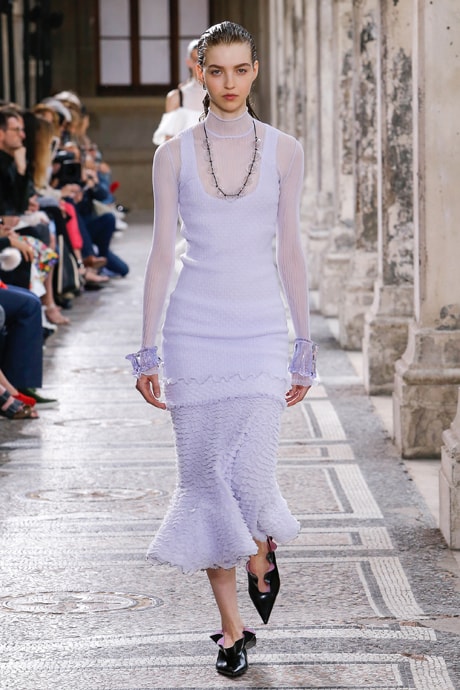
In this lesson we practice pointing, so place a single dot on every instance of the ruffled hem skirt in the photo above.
(227, 493)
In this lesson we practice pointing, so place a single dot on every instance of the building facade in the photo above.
(371, 89)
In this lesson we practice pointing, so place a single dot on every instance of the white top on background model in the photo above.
(184, 105)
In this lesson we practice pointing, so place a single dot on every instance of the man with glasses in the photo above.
(14, 181)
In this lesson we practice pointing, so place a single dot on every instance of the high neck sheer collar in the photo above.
(236, 127)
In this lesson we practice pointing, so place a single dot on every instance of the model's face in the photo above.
(228, 74)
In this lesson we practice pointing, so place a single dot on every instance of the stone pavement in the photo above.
(370, 594)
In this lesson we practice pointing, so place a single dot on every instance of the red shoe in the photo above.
(26, 399)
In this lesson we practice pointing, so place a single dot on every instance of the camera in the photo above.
(69, 171)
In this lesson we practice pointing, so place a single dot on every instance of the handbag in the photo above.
(66, 275)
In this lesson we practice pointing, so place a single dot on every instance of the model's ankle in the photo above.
(232, 634)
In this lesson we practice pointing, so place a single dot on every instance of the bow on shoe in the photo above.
(233, 661)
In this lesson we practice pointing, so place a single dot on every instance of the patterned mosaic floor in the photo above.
(370, 595)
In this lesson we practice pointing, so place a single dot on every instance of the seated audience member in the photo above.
(22, 397)
(39, 139)
(50, 109)
(13, 405)
(100, 228)
(22, 352)
(15, 187)
(88, 263)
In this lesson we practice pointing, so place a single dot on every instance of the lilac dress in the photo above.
(225, 352)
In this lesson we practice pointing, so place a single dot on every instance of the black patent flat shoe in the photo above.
(264, 601)
(233, 661)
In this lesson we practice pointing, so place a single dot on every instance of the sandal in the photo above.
(94, 281)
(15, 409)
(55, 317)
(93, 276)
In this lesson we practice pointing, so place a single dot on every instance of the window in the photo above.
(143, 43)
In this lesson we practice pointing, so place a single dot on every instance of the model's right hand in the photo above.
(149, 388)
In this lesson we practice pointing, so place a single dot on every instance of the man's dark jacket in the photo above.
(14, 188)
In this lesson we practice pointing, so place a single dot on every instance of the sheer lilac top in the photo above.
(225, 330)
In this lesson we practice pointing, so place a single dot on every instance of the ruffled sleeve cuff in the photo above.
(146, 361)
(303, 364)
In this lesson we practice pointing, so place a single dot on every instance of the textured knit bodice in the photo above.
(226, 312)
(225, 330)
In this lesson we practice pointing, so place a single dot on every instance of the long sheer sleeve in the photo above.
(160, 262)
(290, 259)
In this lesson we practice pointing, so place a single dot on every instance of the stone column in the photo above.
(279, 67)
(320, 82)
(288, 87)
(357, 293)
(341, 238)
(311, 110)
(386, 323)
(449, 484)
(290, 16)
(428, 374)
(17, 12)
(263, 93)
(300, 92)
(299, 125)
(285, 66)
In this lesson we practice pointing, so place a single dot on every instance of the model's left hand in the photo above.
(295, 394)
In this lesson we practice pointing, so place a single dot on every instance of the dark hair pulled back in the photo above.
(225, 33)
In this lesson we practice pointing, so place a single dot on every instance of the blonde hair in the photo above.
(44, 133)
(42, 109)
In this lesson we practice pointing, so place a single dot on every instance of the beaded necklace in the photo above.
(250, 171)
